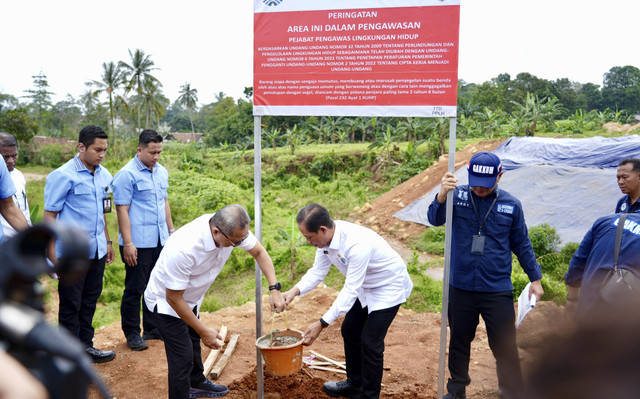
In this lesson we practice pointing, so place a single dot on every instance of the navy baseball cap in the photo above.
(484, 168)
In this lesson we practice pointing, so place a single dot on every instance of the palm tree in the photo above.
(219, 96)
(138, 74)
(153, 102)
(188, 98)
(112, 77)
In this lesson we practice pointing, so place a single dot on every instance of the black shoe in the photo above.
(341, 388)
(208, 389)
(99, 356)
(153, 334)
(135, 343)
(455, 395)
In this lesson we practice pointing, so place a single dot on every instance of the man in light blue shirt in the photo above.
(78, 194)
(144, 218)
(8, 208)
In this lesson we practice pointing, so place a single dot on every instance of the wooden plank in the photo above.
(316, 354)
(315, 363)
(328, 369)
(213, 355)
(231, 346)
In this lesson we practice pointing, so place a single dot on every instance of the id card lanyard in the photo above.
(477, 243)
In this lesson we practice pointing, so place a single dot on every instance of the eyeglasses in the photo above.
(233, 243)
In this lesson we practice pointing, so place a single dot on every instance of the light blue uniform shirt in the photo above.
(77, 196)
(7, 189)
(144, 191)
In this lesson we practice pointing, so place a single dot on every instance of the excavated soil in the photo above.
(411, 353)
(411, 346)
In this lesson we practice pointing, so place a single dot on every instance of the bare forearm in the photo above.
(13, 214)
(167, 212)
(124, 223)
(182, 308)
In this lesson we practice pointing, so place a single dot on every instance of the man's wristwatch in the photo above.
(109, 242)
(276, 286)
(324, 323)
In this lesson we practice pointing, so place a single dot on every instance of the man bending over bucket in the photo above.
(189, 263)
(376, 284)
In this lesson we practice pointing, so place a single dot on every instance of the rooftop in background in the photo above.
(39, 141)
(184, 137)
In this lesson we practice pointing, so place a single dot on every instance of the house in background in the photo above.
(42, 149)
(184, 137)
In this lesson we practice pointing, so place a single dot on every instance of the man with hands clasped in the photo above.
(376, 283)
(144, 219)
(488, 224)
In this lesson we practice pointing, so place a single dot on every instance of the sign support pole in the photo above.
(257, 187)
(447, 260)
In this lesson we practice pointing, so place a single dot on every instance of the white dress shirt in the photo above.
(375, 273)
(20, 198)
(189, 261)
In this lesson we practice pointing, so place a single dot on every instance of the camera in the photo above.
(52, 355)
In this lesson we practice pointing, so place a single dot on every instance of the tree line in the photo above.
(127, 98)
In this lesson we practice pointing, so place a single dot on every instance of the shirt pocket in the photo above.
(502, 226)
(83, 199)
(82, 189)
(144, 190)
(466, 213)
(163, 189)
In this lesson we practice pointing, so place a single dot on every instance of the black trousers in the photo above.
(78, 301)
(184, 357)
(363, 334)
(498, 313)
(135, 282)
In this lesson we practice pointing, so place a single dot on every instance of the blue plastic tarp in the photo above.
(567, 183)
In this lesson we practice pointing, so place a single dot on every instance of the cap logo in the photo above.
(485, 170)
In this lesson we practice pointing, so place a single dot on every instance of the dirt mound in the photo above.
(411, 354)
(411, 346)
(379, 214)
(611, 127)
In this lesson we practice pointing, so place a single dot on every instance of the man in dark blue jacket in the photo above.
(629, 182)
(488, 224)
(594, 259)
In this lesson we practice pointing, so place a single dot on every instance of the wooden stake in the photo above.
(316, 354)
(213, 355)
(328, 369)
(231, 346)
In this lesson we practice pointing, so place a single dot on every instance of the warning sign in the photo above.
(353, 61)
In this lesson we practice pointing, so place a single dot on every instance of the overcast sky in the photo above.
(208, 43)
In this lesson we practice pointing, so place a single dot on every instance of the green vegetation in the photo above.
(544, 240)
(341, 177)
(340, 162)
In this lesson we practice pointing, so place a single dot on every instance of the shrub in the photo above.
(431, 241)
(192, 195)
(544, 239)
(52, 155)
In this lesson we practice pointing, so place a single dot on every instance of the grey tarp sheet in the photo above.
(567, 183)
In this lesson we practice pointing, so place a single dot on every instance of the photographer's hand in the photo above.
(16, 382)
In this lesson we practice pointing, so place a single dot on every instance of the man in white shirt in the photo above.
(376, 283)
(9, 151)
(189, 263)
